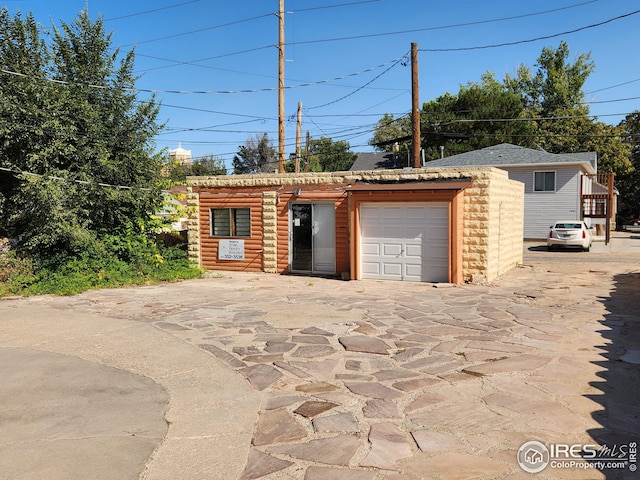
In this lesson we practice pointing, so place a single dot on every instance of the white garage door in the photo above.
(406, 241)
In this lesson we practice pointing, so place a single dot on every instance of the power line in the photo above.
(519, 42)
(362, 87)
(457, 25)
(228, 24)
(193, 62)
(81, 182)
(236, 22)
(150, 11)
(612, 86)
(206, 92)
(335, 6)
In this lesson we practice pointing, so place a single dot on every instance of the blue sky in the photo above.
(344, 58)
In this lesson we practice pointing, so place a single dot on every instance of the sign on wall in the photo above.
(231, 250)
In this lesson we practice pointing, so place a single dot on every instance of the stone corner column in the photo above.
(270, 232)
(193, 228)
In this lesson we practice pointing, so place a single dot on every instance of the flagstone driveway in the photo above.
(383, 380)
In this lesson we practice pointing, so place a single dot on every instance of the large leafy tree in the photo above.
(389, 131)
(476, 117)
(203, 166)
(468, 120)
(257, 155)
(72, 120)
(557, 83)
(629, 182)
(331, 156)
(544, 108)
(554, 98)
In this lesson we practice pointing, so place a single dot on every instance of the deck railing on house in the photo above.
(597, 198)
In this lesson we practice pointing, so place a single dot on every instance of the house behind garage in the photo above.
(557, 186)
(425, 225)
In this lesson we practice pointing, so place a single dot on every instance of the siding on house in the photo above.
(541, 209)
(253, 245)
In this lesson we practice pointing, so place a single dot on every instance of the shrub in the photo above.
(107, 263)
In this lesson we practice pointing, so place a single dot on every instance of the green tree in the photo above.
(178, 172)
(628, 183)
(331, 156)
(543, 109)
(208, 165)
(557, 83)
(554, 99)
(77, 135)
(481, 114)
(389, 130)
(257, 155)
(471, 119)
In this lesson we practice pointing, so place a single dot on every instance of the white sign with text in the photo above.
(231, 250)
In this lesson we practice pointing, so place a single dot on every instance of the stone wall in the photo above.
(493, 225)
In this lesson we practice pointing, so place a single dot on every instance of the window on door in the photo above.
(230, 222)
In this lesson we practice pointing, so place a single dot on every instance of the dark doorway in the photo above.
(302, 258)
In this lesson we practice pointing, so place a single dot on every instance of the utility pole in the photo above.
(415, 109)
(281, 89)
(306, 153)
(298, 128)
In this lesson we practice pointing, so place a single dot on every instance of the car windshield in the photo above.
(568, 225)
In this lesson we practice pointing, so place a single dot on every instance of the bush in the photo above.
(107, 263)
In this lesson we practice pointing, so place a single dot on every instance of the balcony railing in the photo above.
(597, 198)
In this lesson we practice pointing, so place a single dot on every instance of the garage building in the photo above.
(421, 225)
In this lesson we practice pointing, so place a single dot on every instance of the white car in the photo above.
(569, 233)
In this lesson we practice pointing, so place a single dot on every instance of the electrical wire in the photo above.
(367, 35)
(150, 11)
(442, 27)
(81, 182)
(362, 87)
(207, 92)
(536, 39)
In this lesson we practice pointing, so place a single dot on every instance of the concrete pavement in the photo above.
(281, 377)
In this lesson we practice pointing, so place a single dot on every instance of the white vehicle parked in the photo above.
(569, 233)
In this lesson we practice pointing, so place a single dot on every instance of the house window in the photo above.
(544, 181)
(230, 222)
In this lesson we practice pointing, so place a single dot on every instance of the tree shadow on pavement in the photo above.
(619, 387)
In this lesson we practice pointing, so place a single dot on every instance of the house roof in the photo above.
(506, 154)
(376, 161)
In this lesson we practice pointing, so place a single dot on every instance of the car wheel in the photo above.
(587, 248)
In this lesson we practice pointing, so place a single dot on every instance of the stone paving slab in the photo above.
(352, 381)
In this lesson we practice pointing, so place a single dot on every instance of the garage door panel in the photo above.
(392, 249)
(371, 269)
(413, 272)
(414, 251)
(392, 269)
(416, 232)
(390, 232)
(371, 249)
(416, 213)
(412, 241)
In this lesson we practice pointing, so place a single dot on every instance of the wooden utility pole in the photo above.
(306, 153)
(298, 128)
(281, 89)
(415, 108)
